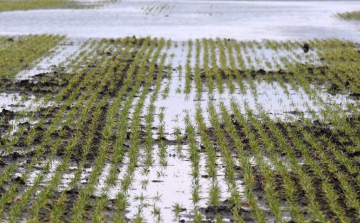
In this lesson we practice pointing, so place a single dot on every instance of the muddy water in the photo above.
(181, 20)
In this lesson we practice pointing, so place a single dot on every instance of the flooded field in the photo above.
(147, 129)
(240, 119)
(183, 20)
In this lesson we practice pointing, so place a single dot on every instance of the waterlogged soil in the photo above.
(209, 212)
(51, 83)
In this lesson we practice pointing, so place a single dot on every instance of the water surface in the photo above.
(181, 20)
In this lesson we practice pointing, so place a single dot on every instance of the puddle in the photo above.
(272, 98)
(163, 187)
(17, 102)
(242, 20)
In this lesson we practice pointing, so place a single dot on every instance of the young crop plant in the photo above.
(177, 208)
(216, 72)
(197, 71)
(195, 159)
(206, 67)
(233, 66)
(188, 69)
(224, 67)
(162, 144)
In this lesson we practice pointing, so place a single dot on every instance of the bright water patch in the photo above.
(182, 20)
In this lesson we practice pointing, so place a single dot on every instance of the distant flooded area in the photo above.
(181, 20)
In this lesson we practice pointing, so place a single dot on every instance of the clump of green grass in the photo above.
(14, 5)
(7, 5)
(355, 15)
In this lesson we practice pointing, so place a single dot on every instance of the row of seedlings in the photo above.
(245, 166)
(197, 71)
(188, 69)
(228, 162)
(111, 179)
(126, 181)
(233, 66)
(215, 72)
(210, 150)
(190, 132)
